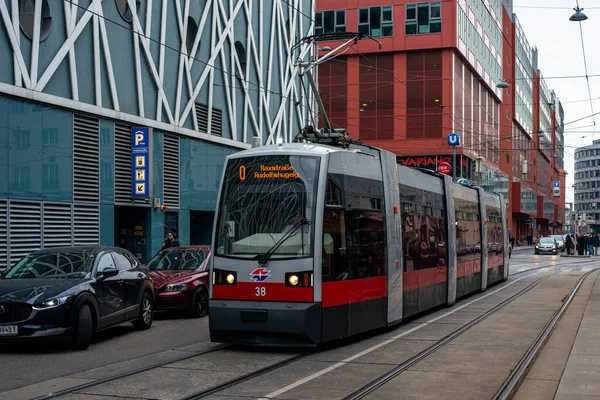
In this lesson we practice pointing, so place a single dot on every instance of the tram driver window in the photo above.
(335, 263)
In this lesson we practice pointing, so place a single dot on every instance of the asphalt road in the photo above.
(171, 336)
(27, 364)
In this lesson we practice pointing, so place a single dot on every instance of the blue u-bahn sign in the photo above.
(140, 162)
(454, 139)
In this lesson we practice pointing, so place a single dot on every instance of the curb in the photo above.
(565, 256)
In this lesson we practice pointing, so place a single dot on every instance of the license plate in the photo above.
(12, 330)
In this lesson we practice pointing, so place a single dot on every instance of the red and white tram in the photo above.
(315, 243)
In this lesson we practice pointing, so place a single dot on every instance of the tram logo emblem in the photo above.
(260, 274)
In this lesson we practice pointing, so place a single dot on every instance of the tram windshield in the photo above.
(267, 206)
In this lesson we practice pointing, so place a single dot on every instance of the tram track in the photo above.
(125, 374)
(518, 373)
(512, 383)
(269, 368)
(375, 384)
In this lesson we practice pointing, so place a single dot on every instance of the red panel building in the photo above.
(438, 72)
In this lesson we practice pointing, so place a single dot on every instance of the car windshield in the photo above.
(558, 238)
(547, 241)
(53, 265)
(267, 206)
(178, 260)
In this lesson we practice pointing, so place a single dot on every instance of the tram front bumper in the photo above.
(265, 323)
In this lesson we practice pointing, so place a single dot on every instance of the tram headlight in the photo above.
(223, 277)
(299, 279)
(293, 280)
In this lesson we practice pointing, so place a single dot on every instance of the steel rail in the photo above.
(512, 383)
(246, 377)
(127, 373)
(388, 376)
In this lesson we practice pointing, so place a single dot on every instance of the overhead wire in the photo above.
(233, 74)
(585, 66)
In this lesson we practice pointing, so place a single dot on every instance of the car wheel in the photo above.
(146, 315)
(83, 329)
(199, 306)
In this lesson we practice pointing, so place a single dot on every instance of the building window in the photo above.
(423, 18)
(376, 21)
(330, 21)
(26, 18)
(125, 11)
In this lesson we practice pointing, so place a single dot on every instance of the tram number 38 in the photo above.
(260, 291)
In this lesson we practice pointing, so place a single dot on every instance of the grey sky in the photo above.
(547, 26)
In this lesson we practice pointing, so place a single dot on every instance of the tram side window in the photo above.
(335, 261)
(495, 235)
(424, 241)
(333, 195)
(468, 233)
(366, 236)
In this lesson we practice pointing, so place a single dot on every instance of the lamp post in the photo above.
(479, 169)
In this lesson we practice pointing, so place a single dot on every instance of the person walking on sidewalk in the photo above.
(597, 243)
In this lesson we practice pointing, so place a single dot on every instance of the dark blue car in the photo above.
(73, 292)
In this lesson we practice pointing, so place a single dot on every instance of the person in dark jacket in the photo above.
(171, 240)
(568, 244)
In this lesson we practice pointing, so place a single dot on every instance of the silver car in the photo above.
(546, 245)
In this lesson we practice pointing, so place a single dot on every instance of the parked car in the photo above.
(180, 276)
(560, 241)
(73, 292)
(546, 245)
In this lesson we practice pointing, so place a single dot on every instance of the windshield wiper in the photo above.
(263, 258)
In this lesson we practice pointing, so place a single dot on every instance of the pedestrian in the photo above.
(590, 243)
(597, 243)
(171, 240)
(568, 244)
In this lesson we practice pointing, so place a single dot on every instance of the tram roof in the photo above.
(296, 148)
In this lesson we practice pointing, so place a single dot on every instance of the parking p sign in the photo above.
(454, 139)
(556, 189)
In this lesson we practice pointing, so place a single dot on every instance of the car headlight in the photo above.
(45, 305)
(537, 246)
(176, 287)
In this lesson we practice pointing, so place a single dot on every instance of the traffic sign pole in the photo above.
(453, 163)
(453, 140)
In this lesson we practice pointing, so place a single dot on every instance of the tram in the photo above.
(315, 242)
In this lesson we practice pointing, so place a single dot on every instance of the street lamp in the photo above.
(503, 84)
(578, 16)
(479, 164)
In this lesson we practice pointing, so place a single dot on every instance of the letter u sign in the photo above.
(453, 139)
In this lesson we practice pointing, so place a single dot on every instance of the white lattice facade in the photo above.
(151, 62)
(77, 75)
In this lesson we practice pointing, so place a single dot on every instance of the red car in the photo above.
(180, 277)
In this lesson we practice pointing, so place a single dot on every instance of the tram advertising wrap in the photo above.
(315, 243)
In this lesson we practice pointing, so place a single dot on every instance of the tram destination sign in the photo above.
(263, 171)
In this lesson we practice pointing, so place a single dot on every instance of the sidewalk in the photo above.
(580, 377)
(522, 248)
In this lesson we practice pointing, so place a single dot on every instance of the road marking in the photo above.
(377, 346)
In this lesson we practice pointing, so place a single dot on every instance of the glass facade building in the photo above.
(70, 97)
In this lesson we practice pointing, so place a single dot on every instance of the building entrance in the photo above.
(131, 231)
(201, 227)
